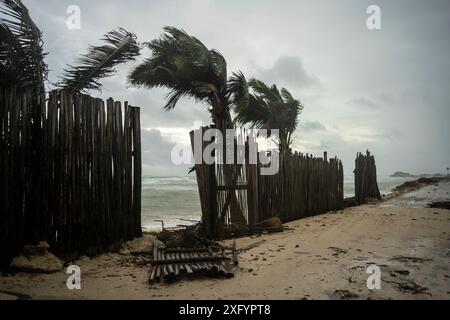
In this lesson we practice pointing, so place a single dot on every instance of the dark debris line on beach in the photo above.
(440, 205)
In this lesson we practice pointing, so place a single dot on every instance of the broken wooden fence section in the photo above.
(366, 185)
(170, 264)
(72, 178)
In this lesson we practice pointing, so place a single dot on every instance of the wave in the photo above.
(169, 183)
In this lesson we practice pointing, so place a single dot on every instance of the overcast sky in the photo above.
(387, 90)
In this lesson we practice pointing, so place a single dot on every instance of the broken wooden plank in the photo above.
(191, 259)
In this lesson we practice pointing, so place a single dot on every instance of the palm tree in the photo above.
(185, 66)
(268, 108)
(22, 56)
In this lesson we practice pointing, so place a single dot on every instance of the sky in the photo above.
(385, 90)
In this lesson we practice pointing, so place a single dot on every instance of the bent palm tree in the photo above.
(268, 108)
(184, 65)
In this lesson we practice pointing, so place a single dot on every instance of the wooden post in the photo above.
(137, 167)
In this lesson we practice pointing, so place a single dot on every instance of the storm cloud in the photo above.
(289, 70)
(385, 90)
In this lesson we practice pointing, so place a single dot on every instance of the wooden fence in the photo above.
(366, 185)
(236, 196)
(228, 192)
(303, 186)
(70, 173)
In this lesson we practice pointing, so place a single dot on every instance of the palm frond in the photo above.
(237, 90)
(255, 113)
(219, 66)
(287, 96)
(172, 99)
(21, 55)
(268, 93)
(100, 61)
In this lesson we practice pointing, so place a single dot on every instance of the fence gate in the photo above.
(228, 187)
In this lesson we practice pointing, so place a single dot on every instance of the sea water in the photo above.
(169, 199)
(174, 198)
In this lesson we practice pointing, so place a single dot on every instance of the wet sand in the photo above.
(322, 257)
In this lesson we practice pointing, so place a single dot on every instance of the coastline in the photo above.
(320, 257)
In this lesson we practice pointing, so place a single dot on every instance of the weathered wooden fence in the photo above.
(366, 185)
(303, 186)
(72, 178)
(237, 195)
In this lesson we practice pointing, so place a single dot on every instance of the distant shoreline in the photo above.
(401, 174)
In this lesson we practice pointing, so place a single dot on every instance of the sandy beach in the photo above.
(321, 257)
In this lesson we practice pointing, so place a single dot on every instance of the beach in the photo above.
(320, 257)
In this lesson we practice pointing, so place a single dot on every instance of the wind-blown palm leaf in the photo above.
(21, 48)
(237, 90)
(121, 46)
(183, 64)
(256, 113)
(268, 108)
(271, 94)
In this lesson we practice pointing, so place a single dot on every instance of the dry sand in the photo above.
(322, 257)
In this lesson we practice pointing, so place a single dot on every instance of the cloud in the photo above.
(155, 149)
(156, 154)
(365, 103)
(289, 70)
(312, 126)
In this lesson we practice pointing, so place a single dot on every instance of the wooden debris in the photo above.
(440, 205)
(172, 263)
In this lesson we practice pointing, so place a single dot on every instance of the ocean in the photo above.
(174, 198)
